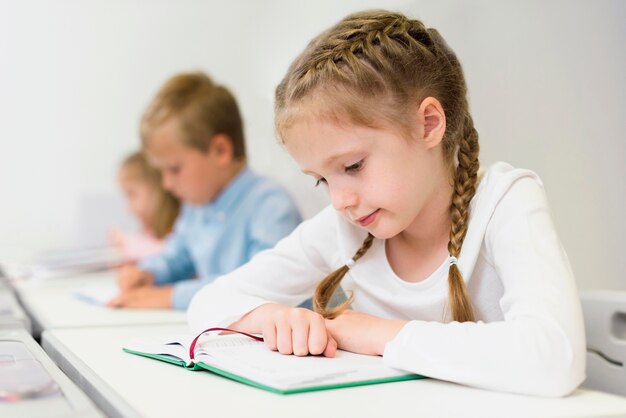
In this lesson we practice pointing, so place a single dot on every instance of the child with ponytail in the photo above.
(452, 271)
(154, 207)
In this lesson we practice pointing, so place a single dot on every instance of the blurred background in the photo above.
(546, 78)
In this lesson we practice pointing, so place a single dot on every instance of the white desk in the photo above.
(125, 385)
(11, 313)
(61, 283)
(69, 402)
(51, 304)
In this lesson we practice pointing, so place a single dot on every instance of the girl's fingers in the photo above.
(269, 335)
(283, 337)
(331, 347)
(318, 336)
(300, 333)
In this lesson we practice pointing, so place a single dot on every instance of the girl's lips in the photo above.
(366, 220)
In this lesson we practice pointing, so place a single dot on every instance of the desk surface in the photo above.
(51, 304)
(27, 286)
(11, 313)
(133, 386)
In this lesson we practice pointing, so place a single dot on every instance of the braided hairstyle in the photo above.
(371, 69)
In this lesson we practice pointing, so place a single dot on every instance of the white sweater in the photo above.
(529, 335)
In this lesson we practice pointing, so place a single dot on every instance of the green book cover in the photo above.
(250, 362)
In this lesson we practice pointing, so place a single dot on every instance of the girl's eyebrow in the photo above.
(328, 161)
(333, 158)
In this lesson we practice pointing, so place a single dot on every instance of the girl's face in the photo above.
(378, 179)
(141, 198)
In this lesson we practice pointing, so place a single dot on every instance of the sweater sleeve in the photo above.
(287, 273)
(174, 263)
(539, 347)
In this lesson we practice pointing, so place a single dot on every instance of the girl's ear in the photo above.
(432, 120)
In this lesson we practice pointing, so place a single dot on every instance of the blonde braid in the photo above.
(365, 52)
(466, 178)
(326, 288)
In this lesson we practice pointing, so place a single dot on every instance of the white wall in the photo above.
(546, 80)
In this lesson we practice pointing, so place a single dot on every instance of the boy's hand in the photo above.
(130, 277)
(362, 333)
(144, 297)
(289, 330)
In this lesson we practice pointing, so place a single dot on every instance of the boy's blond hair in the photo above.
(202, 108)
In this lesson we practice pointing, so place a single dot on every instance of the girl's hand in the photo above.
(289, 330)
(116, 237)
(362, 333)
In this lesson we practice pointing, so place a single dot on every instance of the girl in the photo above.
(155, 208)
(453, 274)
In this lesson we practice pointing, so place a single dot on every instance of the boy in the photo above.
(193, 134)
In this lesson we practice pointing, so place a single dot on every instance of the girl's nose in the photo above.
(342, 198)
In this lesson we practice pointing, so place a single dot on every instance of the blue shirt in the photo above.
(251, 214)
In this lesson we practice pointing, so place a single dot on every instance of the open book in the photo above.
(249, 361)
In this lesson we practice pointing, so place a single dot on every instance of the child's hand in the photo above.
(116, 237)
(144, 297)
(290, 330)
(362, 333)
(130, 277)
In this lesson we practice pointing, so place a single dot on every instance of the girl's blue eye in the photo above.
(320, 181)
(354, 167)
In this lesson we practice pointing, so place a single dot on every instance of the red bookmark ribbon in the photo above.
(195, 340)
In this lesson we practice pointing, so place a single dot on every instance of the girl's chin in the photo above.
(382, 233)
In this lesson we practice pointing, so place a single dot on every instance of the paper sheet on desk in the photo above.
(97, 294)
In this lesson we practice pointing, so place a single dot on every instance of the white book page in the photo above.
(176, 346)
(251, 359)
